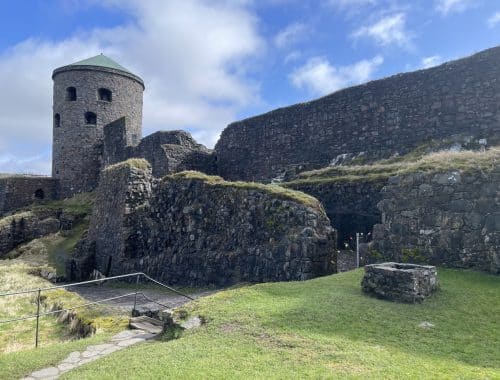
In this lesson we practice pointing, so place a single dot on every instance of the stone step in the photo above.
(151, 325)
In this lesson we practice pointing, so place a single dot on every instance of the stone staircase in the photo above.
(148, 324)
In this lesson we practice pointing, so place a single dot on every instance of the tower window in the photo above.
(57, 120)
(105, 94)
(90, 118)
(71, 94)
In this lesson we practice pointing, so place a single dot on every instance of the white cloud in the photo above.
(494, 20)
(449, 6)
(390, 30)
(292, 56)
(343, 4)
(290, 35)
(320, 77)
(193, 56)
(431, 61)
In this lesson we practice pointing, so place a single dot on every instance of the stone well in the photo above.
(400, 282)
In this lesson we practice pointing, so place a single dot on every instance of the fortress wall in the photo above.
(380, 118)
(21, 191)
(199, 230)
(350, 206)
(449, 218)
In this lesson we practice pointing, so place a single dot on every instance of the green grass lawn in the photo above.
(326, 328)
(15, 365)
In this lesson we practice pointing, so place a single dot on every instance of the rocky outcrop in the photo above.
(23, 227)
(40, 220)
(194, 229)
(449, 218)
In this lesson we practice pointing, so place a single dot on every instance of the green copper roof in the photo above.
(102, 61)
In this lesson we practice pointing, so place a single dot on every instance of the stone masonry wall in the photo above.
(380, 118)
(449, 218)
(351, 206)
(201, 230)
(78, 147)
(167, 151)
(21, 191)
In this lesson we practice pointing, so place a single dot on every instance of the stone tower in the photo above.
(88, 95)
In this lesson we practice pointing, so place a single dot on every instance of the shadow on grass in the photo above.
(464, 313)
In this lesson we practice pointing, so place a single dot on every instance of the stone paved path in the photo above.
(75, 359)
(125, 338)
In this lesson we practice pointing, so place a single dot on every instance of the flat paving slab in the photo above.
(76, 359)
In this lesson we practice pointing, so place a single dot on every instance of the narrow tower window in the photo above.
(90, 118)
(105, 94)
(71, 94)
(57, 120)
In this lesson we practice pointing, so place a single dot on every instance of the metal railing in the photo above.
(101, 280)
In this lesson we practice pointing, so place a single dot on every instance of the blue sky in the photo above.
(208, 63)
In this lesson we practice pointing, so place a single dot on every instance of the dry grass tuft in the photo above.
(275, 190)
(433, 162)
(138, 163)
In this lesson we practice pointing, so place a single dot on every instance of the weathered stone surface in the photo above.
(18, 191)
(351, 206)
(379, 119)
(23, 227)
(400, 282)
(167, 151)
(77, 146)
(201, 231)
(455, 222)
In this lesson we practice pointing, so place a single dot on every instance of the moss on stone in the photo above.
(15, 218)
(276, 190)
(80, 204)
(380, 170)
(137, 163)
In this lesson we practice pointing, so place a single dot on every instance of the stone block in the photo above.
(398, 282)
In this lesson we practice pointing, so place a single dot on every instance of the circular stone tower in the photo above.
(88, 95)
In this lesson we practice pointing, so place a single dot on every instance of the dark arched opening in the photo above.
(71, 94)
(57, 120)
(39, 194)
(105, 95)
(90, 118)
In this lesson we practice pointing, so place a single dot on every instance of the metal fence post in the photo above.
(135, 296)
(37, 316)
(357, 249)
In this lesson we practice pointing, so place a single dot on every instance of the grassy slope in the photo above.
(381, 170)
(15, 365)
(326, 328)
(19, 335)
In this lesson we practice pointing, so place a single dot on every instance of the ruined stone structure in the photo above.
(193, 229)
(87, 96)
(351, 206)
(17, 191)
(447, 218)
(374, 120)
(167, 151)
(400, 282)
